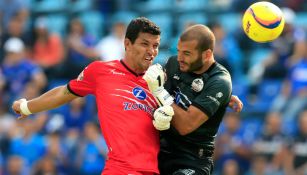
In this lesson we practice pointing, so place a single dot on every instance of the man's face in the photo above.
(143, 50)
(189, 58)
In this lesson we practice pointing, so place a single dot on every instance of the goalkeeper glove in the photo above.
(162, 117)
(155, 78)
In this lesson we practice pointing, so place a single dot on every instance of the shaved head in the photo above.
(202, 34)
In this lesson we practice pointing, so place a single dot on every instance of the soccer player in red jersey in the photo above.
(125, 105)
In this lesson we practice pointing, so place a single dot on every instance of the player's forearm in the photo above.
(187, 121)
(179, 121)
(51, 99)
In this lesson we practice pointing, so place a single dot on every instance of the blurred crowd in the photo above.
(45, 43)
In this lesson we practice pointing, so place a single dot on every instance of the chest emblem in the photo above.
(219, 95)
(197, 85)
(139, 93)
(176, 77)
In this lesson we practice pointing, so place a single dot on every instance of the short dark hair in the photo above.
(202, 34)
(139, 25)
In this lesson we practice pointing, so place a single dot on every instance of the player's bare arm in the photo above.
(187, 121)
(49, 100)
(235, 103)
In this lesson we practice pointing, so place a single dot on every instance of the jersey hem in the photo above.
(202, 109)
(71, 91)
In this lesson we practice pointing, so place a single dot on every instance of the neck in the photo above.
(132, 65)
(205, 67)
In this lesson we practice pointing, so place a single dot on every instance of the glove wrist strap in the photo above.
(163, 97)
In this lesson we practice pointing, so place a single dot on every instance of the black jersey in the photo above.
(299, 149)
(211, 93)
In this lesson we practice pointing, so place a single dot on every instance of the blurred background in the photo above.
(45, 43)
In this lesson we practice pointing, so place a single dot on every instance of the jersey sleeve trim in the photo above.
(202, 109)
(71, 91)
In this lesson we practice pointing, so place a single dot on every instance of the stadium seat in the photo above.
(58, 24)
(93, 22)
(258, 55)
(191, 5)
(162, 57)
(80, 5)
(231, 22)
(153, 6)
(45, 6)
(184, 19)
(124, 16)
(252, 127)
(267, 91)
(164, 20)
(241, 90)
(301, 20)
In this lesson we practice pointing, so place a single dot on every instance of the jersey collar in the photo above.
(211, 67)
(130, 70)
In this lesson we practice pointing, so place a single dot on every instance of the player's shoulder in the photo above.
(219, 74)
(218, 70)
(172, 60)
(172, 64)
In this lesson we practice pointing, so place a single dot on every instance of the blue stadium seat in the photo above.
(183, 19)
(231, 22)
(258, 55)
(153, 6)
(269, 89)
(191, 5)
(48, 5)
(241, 90)
(301, 20)
(58, 24)
(252, 127)
(80, 5)
(164, 20)
(124, 16)
(93, 22)
(267, 92)
(162, 57)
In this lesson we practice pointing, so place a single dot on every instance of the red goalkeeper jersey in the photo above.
(125, 109)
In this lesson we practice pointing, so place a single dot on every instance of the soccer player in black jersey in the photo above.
(197, 91)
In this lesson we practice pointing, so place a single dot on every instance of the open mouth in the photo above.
(149, 58)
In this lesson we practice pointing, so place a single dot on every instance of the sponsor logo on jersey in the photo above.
(139, 93)
(214, 99)
(138, 106)
(185, 171)
(113, 71)
(197, 85)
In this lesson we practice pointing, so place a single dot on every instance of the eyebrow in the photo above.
(185, 51)
(144, 40)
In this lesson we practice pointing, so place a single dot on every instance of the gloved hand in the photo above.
(162, 117)
(155, 78)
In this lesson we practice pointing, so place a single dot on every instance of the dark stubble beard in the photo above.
(196, 65)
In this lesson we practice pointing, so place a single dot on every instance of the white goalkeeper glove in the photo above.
(162, 117)
(155, 78)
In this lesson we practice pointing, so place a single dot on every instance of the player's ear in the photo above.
(127, 43)
(206, 54)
